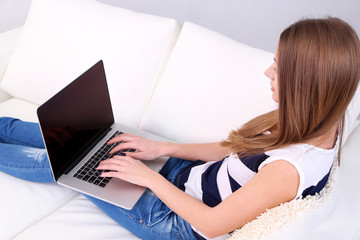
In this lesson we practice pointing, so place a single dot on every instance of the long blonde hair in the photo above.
(318, 73)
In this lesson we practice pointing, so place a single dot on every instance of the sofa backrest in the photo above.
(63, 38)
(211, 85)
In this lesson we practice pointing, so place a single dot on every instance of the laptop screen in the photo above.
(72, 119)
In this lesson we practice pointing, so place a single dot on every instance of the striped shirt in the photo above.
(212, 182)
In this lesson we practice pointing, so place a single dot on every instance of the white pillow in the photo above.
(211, 85)
(63, 38)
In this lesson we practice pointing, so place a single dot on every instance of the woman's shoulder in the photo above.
(312, 163)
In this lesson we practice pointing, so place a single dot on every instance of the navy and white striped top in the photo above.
(212, 182)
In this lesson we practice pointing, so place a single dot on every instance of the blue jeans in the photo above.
(23, 155)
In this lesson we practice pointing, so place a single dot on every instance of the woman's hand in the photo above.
(146, 149)
(128, 169)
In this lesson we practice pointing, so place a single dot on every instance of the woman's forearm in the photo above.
(149, 150)
(204, 151)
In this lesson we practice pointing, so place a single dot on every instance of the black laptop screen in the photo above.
(76, 116)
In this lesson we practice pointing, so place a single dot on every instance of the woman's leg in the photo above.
(150, 218)
(22, 151)
(15, 131)
(27, 163)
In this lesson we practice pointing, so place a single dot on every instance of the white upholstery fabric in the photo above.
(79, 219)
(25, 203)
(8, 42)
(18, 108)
(210, 87)
(62, 39)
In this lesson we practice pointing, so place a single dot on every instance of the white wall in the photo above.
(13, 13)
(254, 22)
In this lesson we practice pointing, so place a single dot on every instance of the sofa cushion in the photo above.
(78, 219)
(18, 108)
(63, 38)
(211, 85)
(25, 203)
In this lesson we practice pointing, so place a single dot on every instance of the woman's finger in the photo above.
(125, 145)
(112, 162)
(125, 137)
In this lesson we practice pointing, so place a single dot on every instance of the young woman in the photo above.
(272, 159)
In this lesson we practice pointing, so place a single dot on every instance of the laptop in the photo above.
(76, 125)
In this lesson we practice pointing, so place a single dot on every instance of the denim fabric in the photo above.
(23, 155)
(22, 151)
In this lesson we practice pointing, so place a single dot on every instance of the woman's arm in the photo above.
(202, 151)
(149, 150)
(272, 185)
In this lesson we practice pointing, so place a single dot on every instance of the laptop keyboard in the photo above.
(88, 172)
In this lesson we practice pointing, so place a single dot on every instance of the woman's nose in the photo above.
(269, 73)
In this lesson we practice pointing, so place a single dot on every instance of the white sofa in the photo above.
(186, 83)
